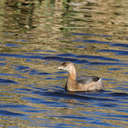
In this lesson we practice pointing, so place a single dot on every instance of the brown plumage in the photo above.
(88, 83)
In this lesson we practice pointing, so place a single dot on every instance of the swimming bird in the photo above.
(88, 83)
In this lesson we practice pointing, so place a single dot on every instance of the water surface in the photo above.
(36, 37)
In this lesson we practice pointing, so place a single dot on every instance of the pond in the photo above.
(36, 37)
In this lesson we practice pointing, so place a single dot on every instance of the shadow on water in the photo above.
(82, 96)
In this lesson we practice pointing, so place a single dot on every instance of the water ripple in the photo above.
(7, 81)
(8, 113)
(92, 41)
(117, 52)
(97, 57)
(89, 34)
(119, 45)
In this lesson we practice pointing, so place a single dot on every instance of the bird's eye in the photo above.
(64, 64)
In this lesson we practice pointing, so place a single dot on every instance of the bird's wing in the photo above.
(87, 79)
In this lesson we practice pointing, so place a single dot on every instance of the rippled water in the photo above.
(36, 36)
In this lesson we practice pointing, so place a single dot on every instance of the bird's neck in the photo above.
(71, 82)
(72, 74)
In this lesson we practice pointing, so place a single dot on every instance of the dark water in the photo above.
(36, 36)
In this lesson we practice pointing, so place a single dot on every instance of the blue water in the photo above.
(36, 98)
(35, 38)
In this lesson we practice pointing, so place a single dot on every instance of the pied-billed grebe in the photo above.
(88, 83)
